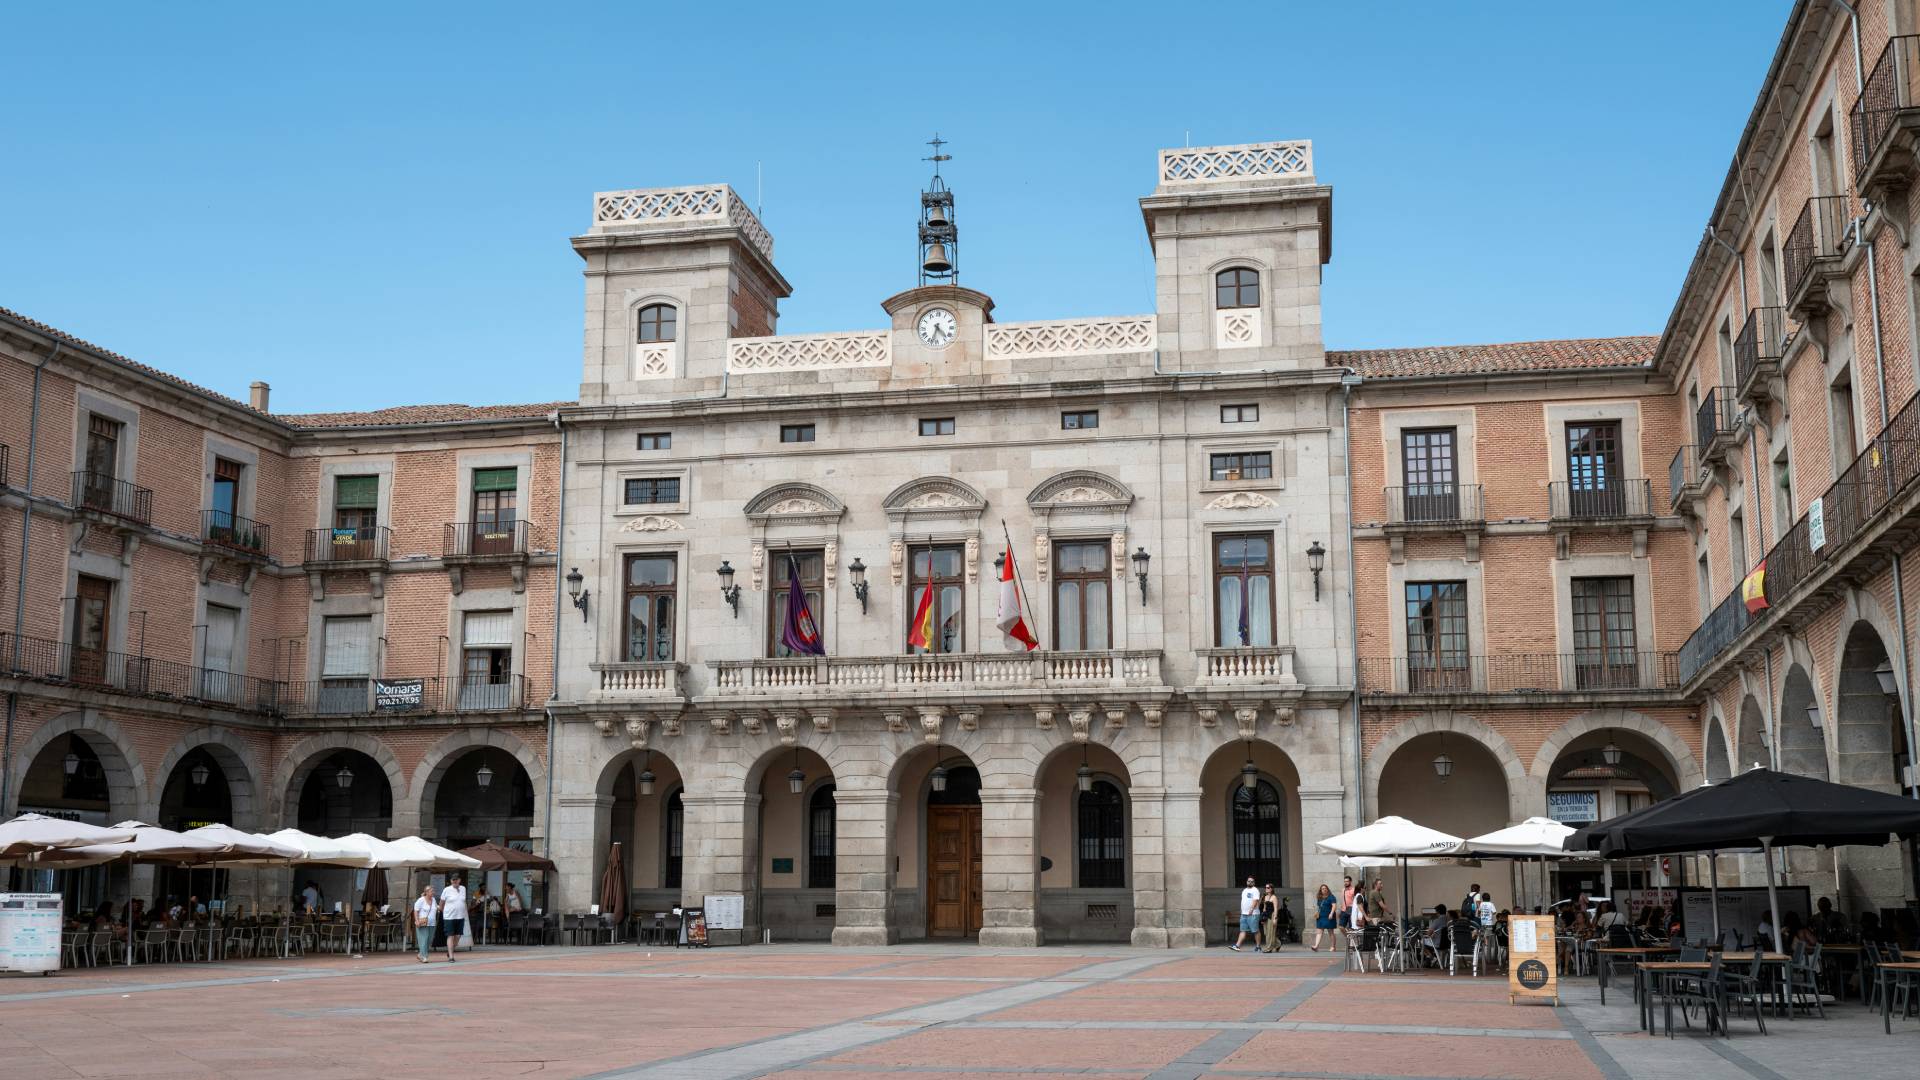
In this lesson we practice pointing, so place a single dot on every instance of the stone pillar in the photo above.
(1009, 868)
(1322, 814)
(1148, 806)
(581, 829)
(863, 867)
(1185, 911)
(722, 846)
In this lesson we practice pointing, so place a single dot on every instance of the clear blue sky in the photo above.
(370, 205)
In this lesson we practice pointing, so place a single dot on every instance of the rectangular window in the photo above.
(494, 514)
(103, 446)
(1595, 486)
(1239, 414)
(1605, 646)
(356, 518)
(92, 628)
(346, 664)
(938, 425)
(812, 566)
(1082, 595)
(1438, 648)
(796, 433)
(218, 661)
(226, 492)
(1737, 544)
(1243, 589)
(942, 568)
(643, 490)
(1783, 509)
(1080, 420)
(1252, 465)
(486, 660)
(656, 440)
(652, 588)
(1428, 465)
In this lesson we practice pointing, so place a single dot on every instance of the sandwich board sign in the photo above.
(1532, 963)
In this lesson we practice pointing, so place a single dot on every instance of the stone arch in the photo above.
(236, 760)
(128, 792)
(1080, 488)
(1679, 758)
(433, 768)
(1752, 734)
(1713, 748)
(1803, 747)
(300, 759)
(1466, 727)
(1862, 607)
(1865, 717)
(934, 493)
(794, 499)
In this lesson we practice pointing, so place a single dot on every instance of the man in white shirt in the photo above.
(1249, 915)
(453, 913)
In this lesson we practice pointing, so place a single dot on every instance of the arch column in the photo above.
(1322, 814)
(582, 825)
(1009, 868)
(863, 867)
(1182, 876)
(722, 843)
(1148, 818)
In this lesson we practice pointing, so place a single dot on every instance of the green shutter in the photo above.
(356, 492)
(495, 479)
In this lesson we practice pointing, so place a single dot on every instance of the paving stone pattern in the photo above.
(820, 1013)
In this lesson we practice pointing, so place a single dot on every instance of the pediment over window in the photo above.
(1080, 489)
(934, 495)
(796, 503)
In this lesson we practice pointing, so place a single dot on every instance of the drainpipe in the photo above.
(20, 585)
(1348, 380)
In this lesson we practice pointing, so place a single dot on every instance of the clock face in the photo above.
(938, 326)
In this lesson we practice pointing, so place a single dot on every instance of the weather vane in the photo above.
(937, 142)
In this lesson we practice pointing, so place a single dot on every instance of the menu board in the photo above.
(30, 932)
(1532, 963)
(727, 911)
(1741, 911)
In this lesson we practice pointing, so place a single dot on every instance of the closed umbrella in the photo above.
(613, 887)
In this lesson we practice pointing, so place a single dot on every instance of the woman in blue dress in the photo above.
(1323, 923)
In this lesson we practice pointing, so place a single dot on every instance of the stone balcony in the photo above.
(934, 677)
(641, 682)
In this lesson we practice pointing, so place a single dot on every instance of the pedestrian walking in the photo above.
(425, 913)
(1269, 921)
(1323, 919)
(1249, 916)
(453, 913)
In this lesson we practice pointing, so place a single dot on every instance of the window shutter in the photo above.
(221, 625)
(488, 630)
(347, 648)
(495, 479)
(356, 492)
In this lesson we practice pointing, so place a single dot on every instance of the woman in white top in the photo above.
(425, 910)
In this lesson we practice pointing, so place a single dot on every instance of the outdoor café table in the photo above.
(1644, 986)
(1889, 972)
(1848, 958)
(1646, 952)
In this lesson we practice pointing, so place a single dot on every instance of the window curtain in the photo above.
(348, 653)
(356, 492)
(495, 479)
(488, 630)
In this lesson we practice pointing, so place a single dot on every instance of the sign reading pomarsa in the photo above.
(398, 695)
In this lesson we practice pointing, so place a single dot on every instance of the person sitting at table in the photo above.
(1377, 909)
(1794, 932)
(1830, 925)
(1763, 937)
(1653, 924)
(1436, 936)
(137, 913)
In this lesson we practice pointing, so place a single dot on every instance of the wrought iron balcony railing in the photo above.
(46, 660)
(1683, 476)
(1715, 423)
(1818, 241)
(230, 531)
(1758, 349)
(367, 543)
(101, 492)
(1599, 500)
(484, 539)
(1891, 91)
(1434, 504)
(1585, 671)
(6, 476)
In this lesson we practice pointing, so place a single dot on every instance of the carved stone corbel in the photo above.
(1248, 717)
(456, 580)
(129, 544)
(1208, 714)
(519, 571)
(603, 725)
(377, 584)
(969, 717)
(832, 559)
(1043, 717)
(1116, 714)
(1080, 718)
(757, 561)
(721, 723)
(789, 727)
(1283, 716)
(931, 717)
(246, 579)
(973, 558)
(1042, 554)
(1153, 715)
(1120, 557)
(823, 721)
(316, 585)
(76, 535)
(896, 722)
(638, 730)
(206, 568)
(671, 727)
(753, 723)
(897, 557)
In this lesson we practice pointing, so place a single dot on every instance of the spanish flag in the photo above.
(1753, 589)
(920, 630)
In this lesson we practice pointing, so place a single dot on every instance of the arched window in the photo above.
(656, 323)
(1103, 837)
(1236, 288)
(675, 842)
(820, 838)
(1256, 825)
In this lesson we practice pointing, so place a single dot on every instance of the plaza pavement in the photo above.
(927, 1012)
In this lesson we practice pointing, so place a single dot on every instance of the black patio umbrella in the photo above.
(1761, 809)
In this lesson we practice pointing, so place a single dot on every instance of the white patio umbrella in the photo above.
(1397, 839)
(319, 849)
(441, 858)
(146, 844)
(1536, 838)
(30, 834)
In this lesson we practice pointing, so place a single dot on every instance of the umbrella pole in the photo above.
(1405, 913)
(1713, 862)
(1773, 896)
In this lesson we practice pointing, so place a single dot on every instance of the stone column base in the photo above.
(1011, 937)
(1190, 938)
(865, 935)
(1149, 937)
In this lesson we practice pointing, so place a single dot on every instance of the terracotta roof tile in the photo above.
(421, 414)
(1565, 355)
(61, 335)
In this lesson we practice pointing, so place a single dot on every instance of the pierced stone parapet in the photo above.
(1290, 160)
(698, 204)
(810, 352)
(1071, 337)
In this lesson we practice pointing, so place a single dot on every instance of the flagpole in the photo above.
(1026, 603)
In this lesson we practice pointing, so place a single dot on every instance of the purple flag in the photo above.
(801, 635)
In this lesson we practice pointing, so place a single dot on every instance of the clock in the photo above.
(937, 327)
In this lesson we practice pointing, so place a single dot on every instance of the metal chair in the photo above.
(1461, 945)
(1688, 989)
(1738, 989)
(1803, 980)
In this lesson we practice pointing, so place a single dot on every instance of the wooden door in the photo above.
(953, 871)
(92, 612)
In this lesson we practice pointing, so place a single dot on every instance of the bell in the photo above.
(937, 219)
(936, 262)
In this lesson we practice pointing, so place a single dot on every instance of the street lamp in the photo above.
(1813, 716)
(1610, 754)
(1316, 562)
(580, 595)
(857, 573)
(1443, 766)
(200, 774)
(937, 779)
(1083, 776)
(483, 776)
(728, 590)
(72, 763)
(796, 780)
(344, 778)
(1140, 559)
(646, 775)
(1885, 674)
(1249, 776)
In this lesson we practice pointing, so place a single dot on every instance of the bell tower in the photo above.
(939, 237)
(939, 328)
